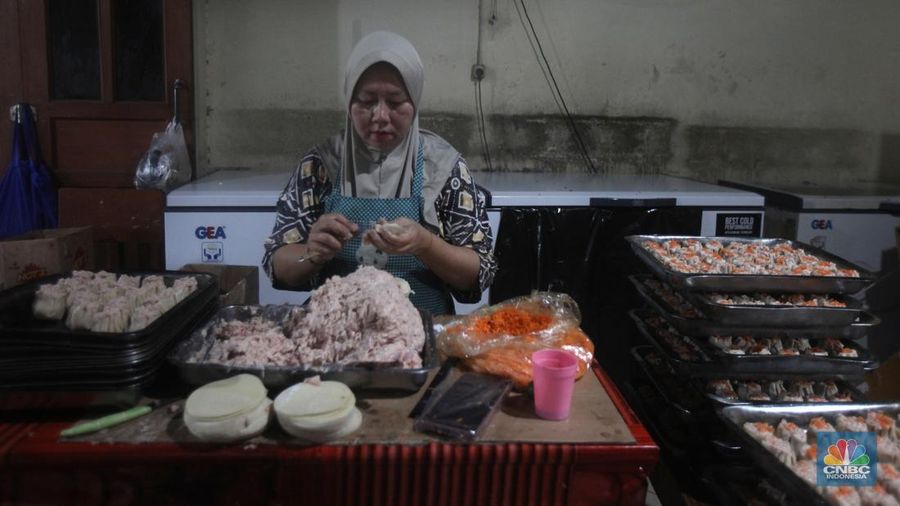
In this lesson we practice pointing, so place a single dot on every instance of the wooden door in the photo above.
(101, 74)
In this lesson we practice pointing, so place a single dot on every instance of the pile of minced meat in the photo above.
(363, 317)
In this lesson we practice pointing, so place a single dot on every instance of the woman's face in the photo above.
(381, 109)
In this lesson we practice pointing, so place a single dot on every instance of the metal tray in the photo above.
(735, 416)
(705, 327)
(700, 384)
(714, 364)
(777, 316)
(366, 376)
(753, 282)
(740, 485)
(17, 324)
(681, 396)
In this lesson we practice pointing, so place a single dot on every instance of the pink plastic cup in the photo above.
(554, 380)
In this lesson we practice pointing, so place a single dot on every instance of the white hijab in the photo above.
(380, 180)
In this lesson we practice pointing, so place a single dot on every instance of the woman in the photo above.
(383, 168)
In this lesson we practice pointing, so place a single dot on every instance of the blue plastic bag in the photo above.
(27, 192)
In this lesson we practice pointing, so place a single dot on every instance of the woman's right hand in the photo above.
(328, 235)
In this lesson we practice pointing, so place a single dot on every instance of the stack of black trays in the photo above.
(46, 355)
(707, 354)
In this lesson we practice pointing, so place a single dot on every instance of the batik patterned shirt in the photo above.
(460, 208)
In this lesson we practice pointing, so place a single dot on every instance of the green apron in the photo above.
(429, 292)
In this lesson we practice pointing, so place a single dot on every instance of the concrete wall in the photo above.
(771, 89)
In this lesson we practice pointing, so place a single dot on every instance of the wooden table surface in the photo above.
(601, 455)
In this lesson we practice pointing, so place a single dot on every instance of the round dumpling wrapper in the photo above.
(233, 428)
(225, 398)
(307, 399)
(349, 425)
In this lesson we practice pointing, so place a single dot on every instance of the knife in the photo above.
(109, 420)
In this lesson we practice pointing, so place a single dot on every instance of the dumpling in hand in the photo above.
(50, 302)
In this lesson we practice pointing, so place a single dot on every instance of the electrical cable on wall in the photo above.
(485, 150)
(477, 77)
(551, 81)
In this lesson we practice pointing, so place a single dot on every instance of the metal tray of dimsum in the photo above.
(857, 329)
(805, 493)
(364, 376)
(809, 391)
(18, 325)
(780, 316)
(703, 360)
(696, 281)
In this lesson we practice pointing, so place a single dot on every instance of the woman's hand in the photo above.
(328, 235)
(400, 237)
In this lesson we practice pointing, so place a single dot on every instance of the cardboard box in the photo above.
(238, 284)
(42, 253)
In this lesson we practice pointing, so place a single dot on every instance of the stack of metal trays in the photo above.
(735, 305)
(192, 358)
(753, 338)
(40, 354)
(757, 357)
(792, 458)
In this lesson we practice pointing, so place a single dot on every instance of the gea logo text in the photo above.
(210, 232)
(821, 225)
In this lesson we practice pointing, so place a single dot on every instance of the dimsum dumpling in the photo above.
(126, 281)
(166, 299)
(184, 287)
(81, 314)
(156, 282)
(50, 302)
(143, 316)
(112, 318)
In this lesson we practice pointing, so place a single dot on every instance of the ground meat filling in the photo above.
(363, 317)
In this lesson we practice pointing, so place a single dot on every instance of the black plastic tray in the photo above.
(777, 316)
(714, 364)
(753, 282)
(735, 416)
(17, 322)
(366, 376)
(106, 371)
(706, 327)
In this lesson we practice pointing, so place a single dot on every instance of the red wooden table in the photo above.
(36, 468)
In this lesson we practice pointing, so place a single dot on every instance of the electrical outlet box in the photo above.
(477, 72)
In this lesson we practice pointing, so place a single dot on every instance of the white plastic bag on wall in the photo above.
(166, 165)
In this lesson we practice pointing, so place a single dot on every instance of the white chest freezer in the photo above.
(857, 222)
(225, 217)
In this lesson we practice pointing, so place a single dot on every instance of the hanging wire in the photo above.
(479, 105)
(538, 50)
(485, 149)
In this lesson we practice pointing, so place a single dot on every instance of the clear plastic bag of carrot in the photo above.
(500, 339)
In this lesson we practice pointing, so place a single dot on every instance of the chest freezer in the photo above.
(225, 217)
(857, 221)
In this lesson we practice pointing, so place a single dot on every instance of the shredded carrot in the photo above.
(512, 321)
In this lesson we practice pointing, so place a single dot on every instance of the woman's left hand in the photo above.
(400, 237)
